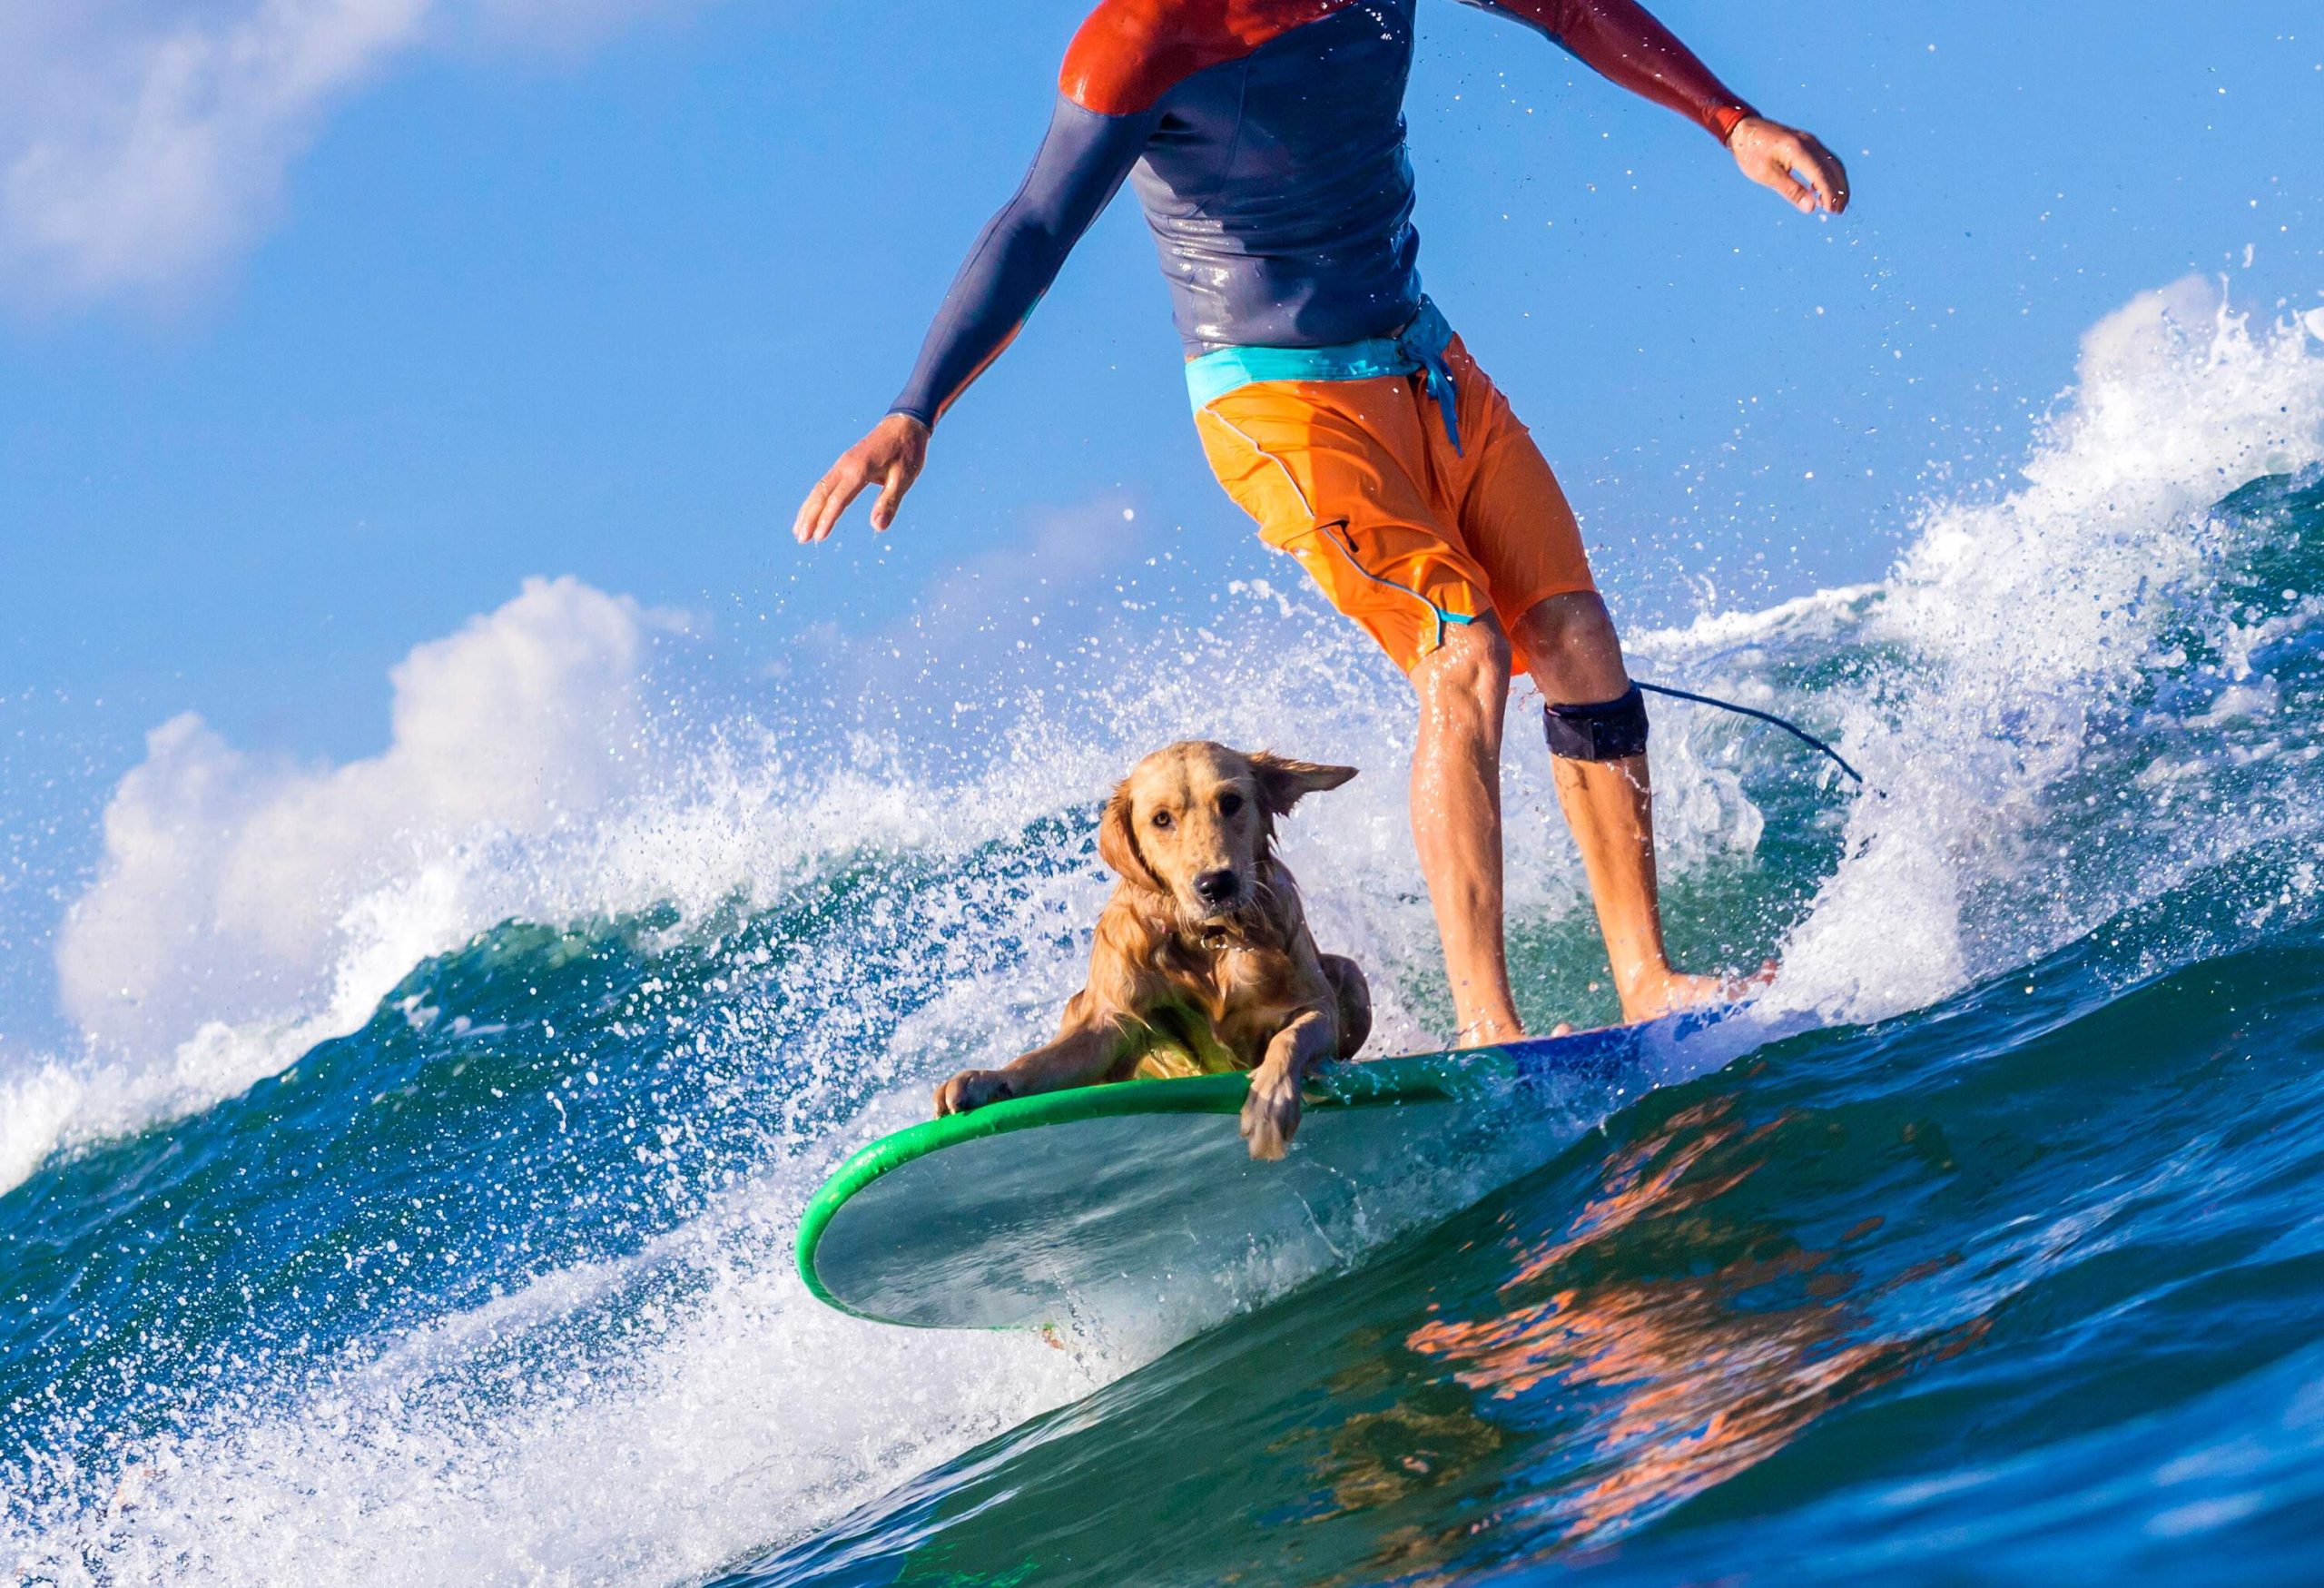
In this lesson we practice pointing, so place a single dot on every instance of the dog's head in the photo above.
(1194, 821)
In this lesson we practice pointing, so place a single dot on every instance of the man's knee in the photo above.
(1573, 649)
(1563, 625)
(1471, 667)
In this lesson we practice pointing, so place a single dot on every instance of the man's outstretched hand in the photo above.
(890, 457)
(1776, 156)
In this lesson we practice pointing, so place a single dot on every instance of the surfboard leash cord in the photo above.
(1785, 724)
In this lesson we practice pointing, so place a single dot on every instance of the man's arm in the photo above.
(1622, 41)
(1079, 168)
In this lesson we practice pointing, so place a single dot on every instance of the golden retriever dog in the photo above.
(1203, 960)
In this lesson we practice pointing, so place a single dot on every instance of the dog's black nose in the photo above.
(1217, 887)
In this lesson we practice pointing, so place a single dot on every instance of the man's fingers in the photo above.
(891, 497)
(823, 504)
(1822, 173)
(1832, 177)
(890, 458)
(845, 490)
(1809, 176)
(1795, 193)
(810, 510)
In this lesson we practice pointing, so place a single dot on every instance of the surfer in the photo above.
(1265, 141)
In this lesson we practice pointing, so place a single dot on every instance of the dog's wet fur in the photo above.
(1203, 958)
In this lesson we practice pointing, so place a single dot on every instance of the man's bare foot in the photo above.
(1656, 996)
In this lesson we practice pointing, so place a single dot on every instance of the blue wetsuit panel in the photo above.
(1075, 175)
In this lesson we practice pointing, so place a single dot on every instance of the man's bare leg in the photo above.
(1577, 659)
(1463, 690)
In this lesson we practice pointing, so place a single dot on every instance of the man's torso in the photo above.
(1275, 178)
(1266, 139)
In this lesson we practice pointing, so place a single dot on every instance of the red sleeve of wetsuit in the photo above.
(1621, 41)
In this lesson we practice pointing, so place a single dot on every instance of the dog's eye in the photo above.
(1229, 802)
(1162, 820)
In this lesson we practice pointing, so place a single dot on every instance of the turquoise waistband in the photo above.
(1418, 349)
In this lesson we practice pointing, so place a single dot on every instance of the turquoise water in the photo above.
(2028, 1284)
(475, 1268)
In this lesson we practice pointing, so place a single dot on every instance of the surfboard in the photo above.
(1079, 1209)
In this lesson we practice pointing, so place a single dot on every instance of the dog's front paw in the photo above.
(1271, 1113)
(972, 1090)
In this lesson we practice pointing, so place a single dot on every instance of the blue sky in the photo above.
(408, 300)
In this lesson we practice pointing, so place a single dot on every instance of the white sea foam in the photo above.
(734, 1417)
(245, 909)
(2023, 618)
(743, 1412)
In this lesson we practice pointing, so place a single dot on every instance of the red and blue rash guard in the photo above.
(1266, 139)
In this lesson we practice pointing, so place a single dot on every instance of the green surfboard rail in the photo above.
(1121, 1206)
(1415, 1078)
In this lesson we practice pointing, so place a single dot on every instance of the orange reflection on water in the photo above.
(1684, 1379)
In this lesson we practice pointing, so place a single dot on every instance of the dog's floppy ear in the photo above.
(1118, 845)
(1283, 781)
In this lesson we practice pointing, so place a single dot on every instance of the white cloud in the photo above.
(228, 880)
(141, 142)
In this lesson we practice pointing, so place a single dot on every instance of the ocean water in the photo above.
(419, 1208)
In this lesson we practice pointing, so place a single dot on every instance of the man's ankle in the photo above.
(1489, 1030)
(1643, 982)
(1651, 997)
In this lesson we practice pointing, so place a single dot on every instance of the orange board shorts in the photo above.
(1359, 481)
